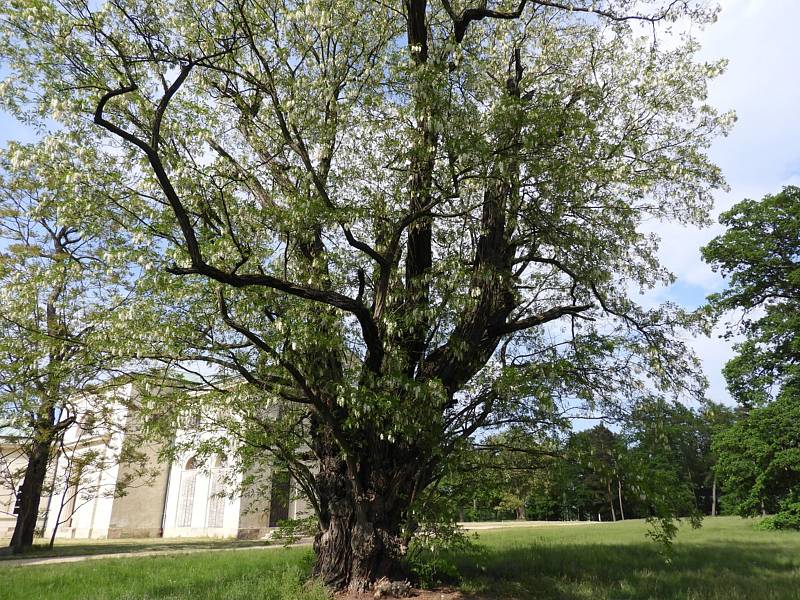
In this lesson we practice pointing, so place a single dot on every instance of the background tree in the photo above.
(56, 293)
(759, 256)
(497, 476)
(665, 459)
(759, 461)
(408, 223)
(596, 454)
(712, 419)
(519, 459)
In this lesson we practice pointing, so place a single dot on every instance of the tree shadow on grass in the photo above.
(632, 572)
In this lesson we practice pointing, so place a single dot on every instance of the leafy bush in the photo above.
(432, 553)
(787, 518)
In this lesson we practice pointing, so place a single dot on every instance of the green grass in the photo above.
(258, 574)
(727, 559)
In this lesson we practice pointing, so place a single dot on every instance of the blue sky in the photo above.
(761, 155)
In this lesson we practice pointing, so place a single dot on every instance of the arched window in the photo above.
(186, 493)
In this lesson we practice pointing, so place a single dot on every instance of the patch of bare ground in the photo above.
(417, 594)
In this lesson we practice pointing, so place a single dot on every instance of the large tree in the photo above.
(403, 223)
(759, 461)
(759, 256)
(56, 295)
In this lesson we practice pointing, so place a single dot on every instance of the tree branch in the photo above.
(462, 20)
(544, 317)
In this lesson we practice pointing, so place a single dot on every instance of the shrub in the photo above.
(788, 517)
(432, 553)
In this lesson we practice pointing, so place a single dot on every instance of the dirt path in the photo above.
(416, 595)
(481, 525)
(477, 526)
(52, 560)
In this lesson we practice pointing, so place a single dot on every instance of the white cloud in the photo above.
(760, 156)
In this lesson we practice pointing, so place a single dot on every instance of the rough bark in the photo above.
(359, 540)
(357, 548)
(30, 496)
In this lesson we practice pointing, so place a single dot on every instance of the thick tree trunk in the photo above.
(359, 541)
(714, 497)
(30, 496)
(353, 552)
(521, 513)
(362, 501)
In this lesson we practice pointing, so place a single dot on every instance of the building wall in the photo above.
(245, 517)
(91, 512)
(13, 463)
(254, 511)
(140, 511)
(89, 515)
(151, 506)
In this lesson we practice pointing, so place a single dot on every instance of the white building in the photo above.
(13, 461)
(183, 499)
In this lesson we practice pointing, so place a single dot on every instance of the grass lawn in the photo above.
(726, 559)
(259, 574)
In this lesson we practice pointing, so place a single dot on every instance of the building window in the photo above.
(279, 498)
(186, 494)
(216, 499)
(70, 501)
(191, 421)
